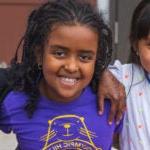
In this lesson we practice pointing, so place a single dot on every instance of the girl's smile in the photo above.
(68, 61)
(68, 82)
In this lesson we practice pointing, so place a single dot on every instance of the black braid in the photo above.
(26, 75)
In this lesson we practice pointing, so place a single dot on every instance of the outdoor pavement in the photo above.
(7, 141)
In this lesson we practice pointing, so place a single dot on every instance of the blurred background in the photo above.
(13, 14)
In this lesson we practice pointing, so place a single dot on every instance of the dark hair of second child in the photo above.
(140, 28)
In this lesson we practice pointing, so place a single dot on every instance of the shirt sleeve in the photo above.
(117, 70)
(4, 119)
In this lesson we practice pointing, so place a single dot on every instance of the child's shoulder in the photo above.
(14, 99)
(129, 67)
(133, 73)
(130, 73)
(15, 94)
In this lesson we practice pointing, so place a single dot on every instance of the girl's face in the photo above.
(144, 52)
(68, 61)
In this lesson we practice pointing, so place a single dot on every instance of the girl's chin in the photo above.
(68, 97)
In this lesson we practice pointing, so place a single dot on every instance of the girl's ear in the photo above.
(135, 46)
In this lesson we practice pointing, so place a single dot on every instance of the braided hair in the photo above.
(26, 75)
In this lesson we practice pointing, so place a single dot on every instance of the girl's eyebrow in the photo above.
(67, 49)
(58, 47)
(87, 52)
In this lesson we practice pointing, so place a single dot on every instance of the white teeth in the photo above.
(68, 81)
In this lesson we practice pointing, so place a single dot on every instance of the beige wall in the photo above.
(13, 14)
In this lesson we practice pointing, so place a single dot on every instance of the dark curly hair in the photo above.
(140, 28)
(26, 74)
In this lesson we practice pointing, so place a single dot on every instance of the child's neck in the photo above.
(47, 92)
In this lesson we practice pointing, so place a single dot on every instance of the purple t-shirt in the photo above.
(58, 126)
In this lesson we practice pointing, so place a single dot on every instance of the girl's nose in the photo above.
(71, 65)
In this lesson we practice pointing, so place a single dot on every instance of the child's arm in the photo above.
(5, 123)
(112, 89)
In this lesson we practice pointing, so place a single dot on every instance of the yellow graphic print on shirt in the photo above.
(68, 132)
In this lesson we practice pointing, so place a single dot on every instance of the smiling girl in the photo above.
(53, 104)
(135, 76)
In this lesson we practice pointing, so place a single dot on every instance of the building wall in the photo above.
(121, 10)
(13, 14)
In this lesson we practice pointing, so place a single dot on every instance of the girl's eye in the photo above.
(86, 57)
(59, 53)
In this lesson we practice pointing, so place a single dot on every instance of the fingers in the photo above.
(119, 114)
(112, 89)
(118, 104)
(121, 110)
(101, 104)
(112, 113)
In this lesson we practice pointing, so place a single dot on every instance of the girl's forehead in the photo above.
(70, 25)
(76, 30)
(73, 37)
